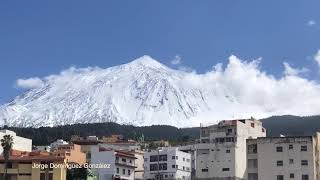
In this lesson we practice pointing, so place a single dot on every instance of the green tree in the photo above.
(6, 144)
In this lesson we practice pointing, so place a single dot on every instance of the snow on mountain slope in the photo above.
(145, 92)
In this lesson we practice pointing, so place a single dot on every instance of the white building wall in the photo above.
(177, 168)
(118, 168)
(223, 157)
(268, 157)
(19, 143)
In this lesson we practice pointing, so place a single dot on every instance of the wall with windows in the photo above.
(168, 163)
(286, 158)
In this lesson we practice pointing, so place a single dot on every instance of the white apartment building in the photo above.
(133, 149)
(57, 143)
(167, 163)
(19, 143)
(222, 153)
(122, 164)
(281, 158)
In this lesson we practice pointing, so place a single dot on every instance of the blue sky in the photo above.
(39, 38)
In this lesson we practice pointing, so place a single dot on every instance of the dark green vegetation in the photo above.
(45, 135)
(286, 125)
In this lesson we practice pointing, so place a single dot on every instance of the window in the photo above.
(145, 159)
(280, 177)
(252, 149)
(163, 166)
(279, 163)
(163, 157)
(290, 146)
(229, 131)
(183, 159)
(291, 175)
(279, 149)
(153, 158)
(153, 167)
(304, 162)
(123, 171)
(225, 169)
(252, 125)
(176, 157)
(118, 170)
(263, 130)
(129, 172)
(205, 170)
(290, 161)
(252, 163)
(173, 157)
(304, 148)
(173, 166)
(228, 151)
(124, 160)
(305, 177)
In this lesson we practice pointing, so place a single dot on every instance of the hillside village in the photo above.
(230, 149)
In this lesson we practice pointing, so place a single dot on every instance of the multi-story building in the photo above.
(72, 153)
(19, 143)
(284, 158)
(222, 152)
(57, 143)
(118, 164)
(131, 148)
(167, 163)
(31, 166)
(192, 150)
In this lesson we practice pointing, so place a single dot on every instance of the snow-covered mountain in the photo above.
(146, 92)
(142, 92)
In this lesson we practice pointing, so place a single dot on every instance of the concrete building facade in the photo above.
(167, 163)
(19, 143)
(120, 164)
(284, 158)
(221, 155)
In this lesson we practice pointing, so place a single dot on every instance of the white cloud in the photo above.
(176, 60)
(317, 57)
(311, 23)
(290, 71)
(242, 89)
(29, 83)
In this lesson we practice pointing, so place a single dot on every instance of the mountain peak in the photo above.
(146, 60)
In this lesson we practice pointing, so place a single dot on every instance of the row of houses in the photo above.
(229, 150)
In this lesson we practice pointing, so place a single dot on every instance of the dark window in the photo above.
(305, 177)
(290, 146)
(129, 172)
(263, 130)
(123, 171)
(228, 151)
(279, 149)
(118, 170)
(291, 175)
(280, 177)
(173, 157)
(153, 158)
(252, 125)
(153, 167)
(163, 166)
(279, 163)
(290, 161)
(124, 160)
(304, 162)
(204, 170)
(173, 166)
(225, 169)
(304, 148)
(163, 157)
